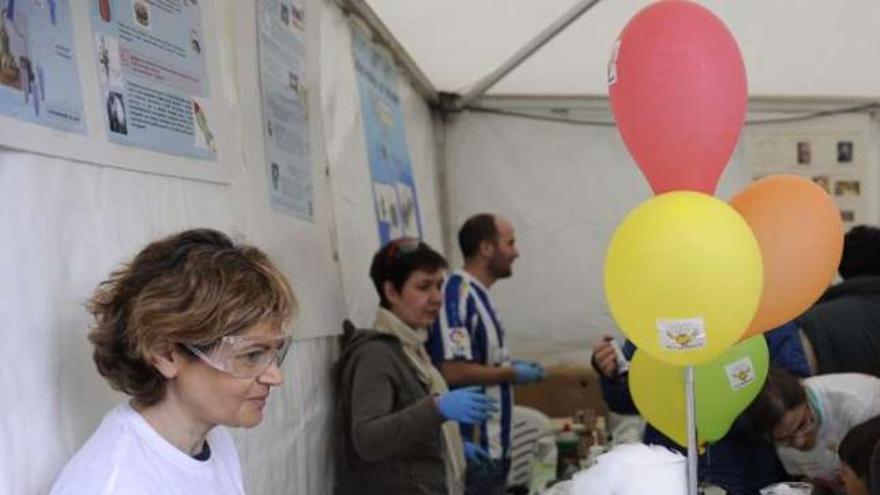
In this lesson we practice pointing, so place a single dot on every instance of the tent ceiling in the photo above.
(803, 48)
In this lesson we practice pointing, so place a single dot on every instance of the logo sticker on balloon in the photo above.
(679, 335)
(612, 63)
(740, 373)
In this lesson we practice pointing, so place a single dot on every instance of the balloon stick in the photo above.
(691, 431)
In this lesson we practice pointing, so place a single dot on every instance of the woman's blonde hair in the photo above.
(189, 288)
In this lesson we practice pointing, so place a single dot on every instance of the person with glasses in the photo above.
(193, 331)
(807, 419)
(396, 430)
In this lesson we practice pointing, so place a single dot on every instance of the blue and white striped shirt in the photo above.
(469, 329)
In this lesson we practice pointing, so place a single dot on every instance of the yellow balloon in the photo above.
(683, 277)
(658, 392)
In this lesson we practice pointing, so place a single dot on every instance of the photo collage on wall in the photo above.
(833, 160)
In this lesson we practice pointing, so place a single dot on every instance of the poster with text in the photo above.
(394, 190)
(39, 80)
(286, 141)
(150, 56)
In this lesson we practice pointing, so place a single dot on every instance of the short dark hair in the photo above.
(398, 259)
(476, 229)
(858, 446)
(781, 393)
(861, 252)
(193, 287)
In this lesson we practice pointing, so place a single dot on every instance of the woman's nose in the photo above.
(272, 376)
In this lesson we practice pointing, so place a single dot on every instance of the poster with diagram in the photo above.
(394, 191)
(150, 57)
(834, 159)
(281, 25)
(39, 78)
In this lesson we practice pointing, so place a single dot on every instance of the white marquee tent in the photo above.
(539, 148)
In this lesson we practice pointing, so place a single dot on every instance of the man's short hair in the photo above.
(476, 229)
(861, 252)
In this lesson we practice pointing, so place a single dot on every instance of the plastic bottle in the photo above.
(596, 449)
(567, 462)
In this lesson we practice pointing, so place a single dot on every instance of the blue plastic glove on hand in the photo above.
(476, 456)
(467, 405)
(527, 372)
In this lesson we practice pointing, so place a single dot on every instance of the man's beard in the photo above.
(499, 268)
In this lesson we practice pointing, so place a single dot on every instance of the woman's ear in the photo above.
(391, 293)
(167, 359)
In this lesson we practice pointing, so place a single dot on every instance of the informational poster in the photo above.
(281, 26)
(150, 56)
(39, 80)
(834, 159)
(394, 191)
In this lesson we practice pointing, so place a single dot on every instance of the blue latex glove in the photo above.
(467, 405)
(527, 372)
(476, 456)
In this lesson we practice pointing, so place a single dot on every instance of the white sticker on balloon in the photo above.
(740, 373)
(682, 334)
(612, 63)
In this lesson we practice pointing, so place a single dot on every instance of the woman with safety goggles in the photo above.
(395, 418)
(191, 330)
(807, 419)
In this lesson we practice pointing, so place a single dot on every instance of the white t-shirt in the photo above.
(841, 401)
(126, 456)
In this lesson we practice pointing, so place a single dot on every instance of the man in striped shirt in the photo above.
(467, 343)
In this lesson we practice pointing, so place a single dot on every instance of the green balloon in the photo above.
(727, 385)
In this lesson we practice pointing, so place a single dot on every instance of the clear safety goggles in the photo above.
(244, 356)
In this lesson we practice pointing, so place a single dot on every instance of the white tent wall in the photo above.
(68, 224)
(565, 188)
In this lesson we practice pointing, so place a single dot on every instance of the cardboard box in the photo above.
(566, 390)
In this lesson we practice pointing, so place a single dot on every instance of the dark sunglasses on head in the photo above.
(403, 245)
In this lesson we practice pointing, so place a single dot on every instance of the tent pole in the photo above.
(524, 53)
(420, 81)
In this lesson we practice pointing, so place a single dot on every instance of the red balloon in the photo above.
(677, 86)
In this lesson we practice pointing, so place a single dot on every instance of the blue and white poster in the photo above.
(39, 80)
(286, 140)
(150, 56)
(394, 191)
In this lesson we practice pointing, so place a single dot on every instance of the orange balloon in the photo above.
(800, 233)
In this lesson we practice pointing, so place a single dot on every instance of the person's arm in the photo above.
(379, 433)
(615, 387)
(787, 351)
(459, 373)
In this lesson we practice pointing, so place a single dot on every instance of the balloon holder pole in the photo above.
(691, 431)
